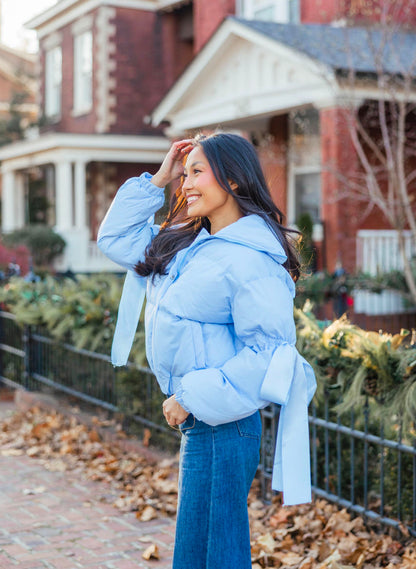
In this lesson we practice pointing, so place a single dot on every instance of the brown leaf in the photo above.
(307, 563)
(287, 542)
(324, 551)
(267, 542)
(330, 560)
(149, 513)
(151, 552)
(147, 433)
(66, 448)
(12, 452)
(40, 429)
(94, 436)
(56, 465)
(280, 518)
(291, 559)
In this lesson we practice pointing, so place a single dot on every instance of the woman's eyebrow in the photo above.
(194, 164)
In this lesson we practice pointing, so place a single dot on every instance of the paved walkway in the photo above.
(54, 520)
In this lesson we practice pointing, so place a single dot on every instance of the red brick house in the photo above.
(119, 78)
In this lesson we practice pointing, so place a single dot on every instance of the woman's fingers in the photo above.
(174, 413)
(178, 149)
(172, 166)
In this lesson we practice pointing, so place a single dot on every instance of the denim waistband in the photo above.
(250, 425)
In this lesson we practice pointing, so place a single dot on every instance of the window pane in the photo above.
(265, 14)
(83, 71)
(294, 11)
(306, 140)
(308, 196)
(53, 81)
(271, 10)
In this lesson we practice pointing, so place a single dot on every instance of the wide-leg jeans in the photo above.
(217, 467)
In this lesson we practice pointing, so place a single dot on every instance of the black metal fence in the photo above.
(361, 461)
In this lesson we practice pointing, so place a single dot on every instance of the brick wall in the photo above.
(359, 12)
(207, 17)
(340, 213)
(319, 11)
(8, 88)
(368, 11)
(177, 54)
(273, 158)
(149, 58)
(146, 58)
(138, 69)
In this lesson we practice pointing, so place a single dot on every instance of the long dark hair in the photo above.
(231, 158)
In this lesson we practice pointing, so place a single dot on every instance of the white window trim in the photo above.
(80, 107)
(53, 115)
(82, 25)
(247, 9)
(51, 41)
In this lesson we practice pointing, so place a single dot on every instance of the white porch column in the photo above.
(63, 188)
(8, 201)
(20, 202)
(80, 195)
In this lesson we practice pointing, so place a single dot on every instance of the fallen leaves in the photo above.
(151, 552)
(63, 444)
(149, 513)
(310, 536)
(321, 536)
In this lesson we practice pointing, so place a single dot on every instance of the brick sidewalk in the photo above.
(55, 520)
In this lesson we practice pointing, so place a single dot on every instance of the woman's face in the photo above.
(204, 196)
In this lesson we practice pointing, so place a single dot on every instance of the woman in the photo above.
(220, 335)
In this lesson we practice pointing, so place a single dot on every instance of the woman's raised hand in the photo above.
(172, 166)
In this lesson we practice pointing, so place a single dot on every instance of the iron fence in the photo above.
(363, 462)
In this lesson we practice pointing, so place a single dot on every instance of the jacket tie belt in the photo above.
(290, 382)
(128, 317)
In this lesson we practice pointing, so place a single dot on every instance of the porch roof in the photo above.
(53, 147)
(252, 70)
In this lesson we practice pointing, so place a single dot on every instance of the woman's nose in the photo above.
(186, 184)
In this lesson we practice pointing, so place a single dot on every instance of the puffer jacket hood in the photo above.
(220, 332)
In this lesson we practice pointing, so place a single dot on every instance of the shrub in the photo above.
(43, 243)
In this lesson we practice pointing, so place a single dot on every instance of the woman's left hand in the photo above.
(174, 413)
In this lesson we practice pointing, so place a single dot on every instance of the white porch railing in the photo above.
(97, 261)
(378, 252)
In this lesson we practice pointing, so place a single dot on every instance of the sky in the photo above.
(14, 13)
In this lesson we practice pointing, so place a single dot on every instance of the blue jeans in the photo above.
(217, 467)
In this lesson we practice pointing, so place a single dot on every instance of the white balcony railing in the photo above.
(378, 252)
(97, 261)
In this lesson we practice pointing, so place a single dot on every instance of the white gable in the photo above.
(241, 75)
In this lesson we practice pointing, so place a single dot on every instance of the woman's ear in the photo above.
(233, 185)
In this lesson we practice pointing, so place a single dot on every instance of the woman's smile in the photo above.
(190, 199)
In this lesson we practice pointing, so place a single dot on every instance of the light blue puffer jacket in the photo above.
(220, 333)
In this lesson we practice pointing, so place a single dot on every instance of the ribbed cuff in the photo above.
(146, 184)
